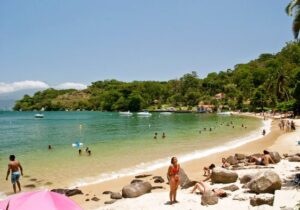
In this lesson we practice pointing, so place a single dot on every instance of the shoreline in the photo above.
(146, 167)
(194, 173)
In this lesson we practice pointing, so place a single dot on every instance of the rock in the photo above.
(60, 191)
(67, 192)
(222, 175)
(142, 176)
(241, 197)
(240, 156)
(294, 159)
(110, 202)
(136, 189)
(262, 199)
(159, 179)
(231, 188)
(265, 182)
(246, 178)
(184, 179)
(275, 156)
(30, 186)
(232, 160)
(107, 192)
(95, 199)
(115, 195)
(87, 199)
(48, 183)
(157, 187)
(209, 198)
(136, 180)
(73, 192)
(189, 184)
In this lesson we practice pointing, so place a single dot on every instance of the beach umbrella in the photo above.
(39, 200)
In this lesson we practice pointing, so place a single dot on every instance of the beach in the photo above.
(276, 140)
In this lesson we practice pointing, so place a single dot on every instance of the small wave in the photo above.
(150, 166)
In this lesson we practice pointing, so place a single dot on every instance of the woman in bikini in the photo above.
(173, 176)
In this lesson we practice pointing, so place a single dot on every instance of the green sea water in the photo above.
(120, 145)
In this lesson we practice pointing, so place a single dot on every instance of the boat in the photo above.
(144, 114)
(166, 113)
(224, 113)
(128, 113)
(39, 115)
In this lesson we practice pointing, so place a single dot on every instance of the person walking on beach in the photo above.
(174, 180)
(13, 168)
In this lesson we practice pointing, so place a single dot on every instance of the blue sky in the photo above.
(81, 41)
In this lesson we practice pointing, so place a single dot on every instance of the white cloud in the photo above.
(7, 88)
(70, 85)
(22, 85)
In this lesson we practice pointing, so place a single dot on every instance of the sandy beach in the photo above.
(276, 140)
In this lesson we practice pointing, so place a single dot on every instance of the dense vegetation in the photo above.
(272, 81)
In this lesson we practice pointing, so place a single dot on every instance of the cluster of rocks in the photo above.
(261, 186)
(241, 159)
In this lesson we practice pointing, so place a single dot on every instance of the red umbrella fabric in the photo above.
(39, 200)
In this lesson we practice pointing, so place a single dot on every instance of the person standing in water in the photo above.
(16, 170)
(174, 180)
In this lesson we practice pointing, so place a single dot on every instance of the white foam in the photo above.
(150, 166)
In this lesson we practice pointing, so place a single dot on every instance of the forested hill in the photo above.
(272, 81)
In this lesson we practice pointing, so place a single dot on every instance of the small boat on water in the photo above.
(128, 113)
(166, 113)
(144, 114)
(39, 115)
(224, 113)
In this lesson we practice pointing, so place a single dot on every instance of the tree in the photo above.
(296, 23)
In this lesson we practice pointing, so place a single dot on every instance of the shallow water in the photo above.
(119, 144)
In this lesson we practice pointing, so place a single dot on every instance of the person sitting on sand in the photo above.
(204, 187)
(265, 160)
(207, 170)
(225, 164)
(174, 180)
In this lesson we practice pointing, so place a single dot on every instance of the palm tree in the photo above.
(296, 23)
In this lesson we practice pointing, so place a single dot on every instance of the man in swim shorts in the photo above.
(13, 167)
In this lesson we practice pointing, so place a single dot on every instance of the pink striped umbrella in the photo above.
(39, 200)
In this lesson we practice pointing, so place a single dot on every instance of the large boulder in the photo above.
(136, 189)
(209, 198)
(239, 156)
(232, 160)
(265, 182)
(231, 188)
(222, 175)
(158, 179)
(262, 199)
(294, 159)
(275, 156)
(184, 179)
(246, 178)
(115, 195)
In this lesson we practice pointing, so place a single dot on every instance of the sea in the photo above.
(120, 145)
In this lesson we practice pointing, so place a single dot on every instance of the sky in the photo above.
(72, 43)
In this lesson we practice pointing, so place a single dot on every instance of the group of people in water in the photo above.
(228, 124)
(202, 186)
(163, 135)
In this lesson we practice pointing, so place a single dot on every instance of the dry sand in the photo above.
(276, 140)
